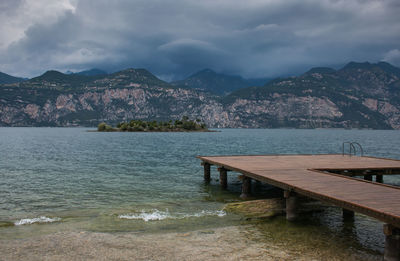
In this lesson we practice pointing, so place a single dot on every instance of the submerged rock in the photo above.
(263, 208)
(6, 224)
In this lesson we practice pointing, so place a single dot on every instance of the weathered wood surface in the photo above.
(305, 174)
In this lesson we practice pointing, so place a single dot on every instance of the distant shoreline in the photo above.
(118, 130)
(227, 128)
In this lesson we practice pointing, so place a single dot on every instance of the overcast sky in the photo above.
(174, 38)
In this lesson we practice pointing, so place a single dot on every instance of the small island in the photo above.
(183, 125)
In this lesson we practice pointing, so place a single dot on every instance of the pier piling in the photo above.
(392, 243)
(348, 215)
(291, 205)
(368, 177)
(207, 172)
(223, 177)
(246, 187)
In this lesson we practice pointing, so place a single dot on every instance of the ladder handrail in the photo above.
(361, 148)
(353, 150)
(351, 146)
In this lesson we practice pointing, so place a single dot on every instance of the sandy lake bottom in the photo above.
(227, 243)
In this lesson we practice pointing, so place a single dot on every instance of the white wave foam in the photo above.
(156, 214)
(42, 219)
(203, 213)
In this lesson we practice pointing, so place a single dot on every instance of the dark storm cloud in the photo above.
(175, 38)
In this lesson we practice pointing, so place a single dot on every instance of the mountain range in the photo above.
(6, 78)
(359, 95)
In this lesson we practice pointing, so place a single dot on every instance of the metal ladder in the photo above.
(352, 148)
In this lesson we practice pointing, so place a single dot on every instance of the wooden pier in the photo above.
(328, 178)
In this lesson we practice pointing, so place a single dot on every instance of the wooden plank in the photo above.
(311, 162)
(305, 174)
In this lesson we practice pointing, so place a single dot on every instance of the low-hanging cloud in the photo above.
(174, 38)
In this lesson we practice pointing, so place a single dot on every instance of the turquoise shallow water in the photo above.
(152, 182)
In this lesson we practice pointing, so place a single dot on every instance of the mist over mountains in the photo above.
(206, 79)
(91, 72)
(359, 95)
(218, 83)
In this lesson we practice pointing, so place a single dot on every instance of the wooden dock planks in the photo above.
(304, 174)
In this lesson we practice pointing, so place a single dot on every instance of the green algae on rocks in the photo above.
(263, 208)
(6, 224)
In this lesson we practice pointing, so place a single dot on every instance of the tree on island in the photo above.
(184, 124)
(104, 127)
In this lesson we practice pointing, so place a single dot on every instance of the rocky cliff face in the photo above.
(364, 96)
(94, 106)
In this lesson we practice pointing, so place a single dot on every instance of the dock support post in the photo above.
(368, 177)
(379, 178)
(207, 172)
(392, 243)
(223, 178)
(246, 187)
(348, 215)
(291, 205)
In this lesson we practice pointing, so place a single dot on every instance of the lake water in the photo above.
(57, 179)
